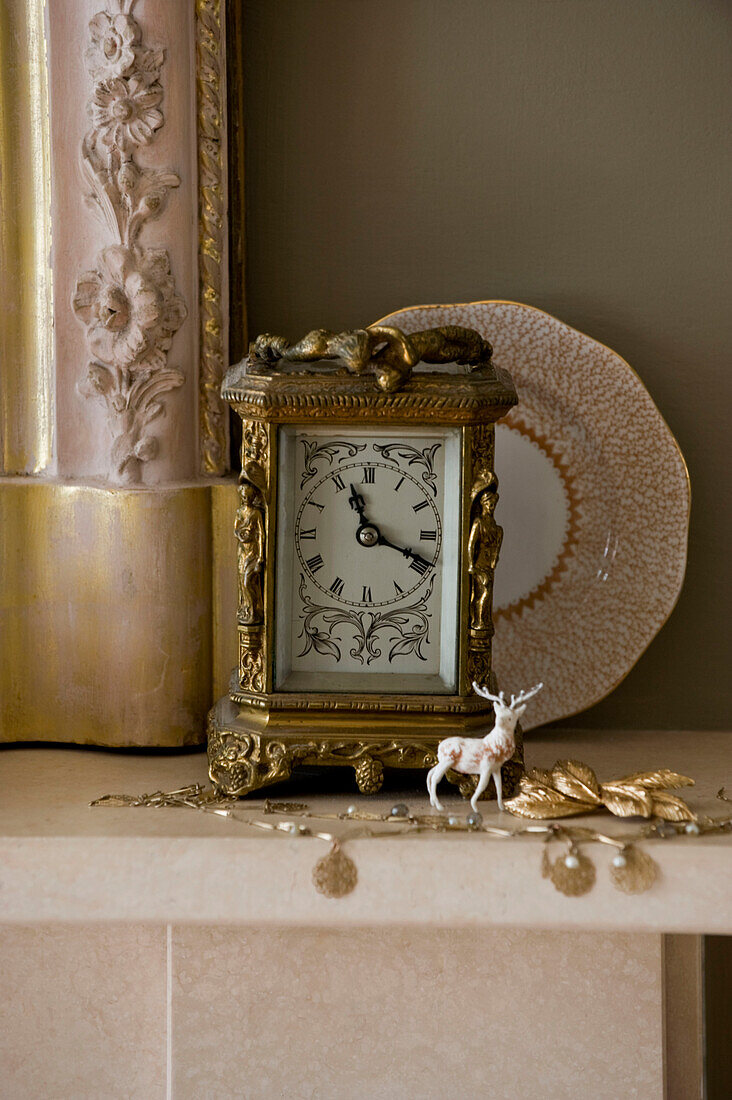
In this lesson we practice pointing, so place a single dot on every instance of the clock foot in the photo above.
(369, 775)
(242, 762)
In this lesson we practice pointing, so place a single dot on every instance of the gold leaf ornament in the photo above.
(577, 780)
(626, 801)
(662, 779)
(538, 801)
(572, 788)
(670, 807)
(537, 775)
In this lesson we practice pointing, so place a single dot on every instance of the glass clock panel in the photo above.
(368, 560)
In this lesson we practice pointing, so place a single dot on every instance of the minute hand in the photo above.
(405, 550)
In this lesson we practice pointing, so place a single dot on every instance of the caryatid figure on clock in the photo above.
(367, 479)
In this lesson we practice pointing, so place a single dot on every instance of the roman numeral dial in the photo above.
(368, 532)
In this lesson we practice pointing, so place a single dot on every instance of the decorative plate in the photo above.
(594, 505)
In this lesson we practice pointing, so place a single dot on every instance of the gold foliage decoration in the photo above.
(572, 788)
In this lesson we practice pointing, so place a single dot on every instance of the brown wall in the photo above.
(572, 154)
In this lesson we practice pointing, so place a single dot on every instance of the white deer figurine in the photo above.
(481, 756)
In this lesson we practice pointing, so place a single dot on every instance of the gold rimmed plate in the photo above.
(594, 504)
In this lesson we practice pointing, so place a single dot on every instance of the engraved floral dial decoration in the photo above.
(127, 303)
(315, 453)
(405, 630)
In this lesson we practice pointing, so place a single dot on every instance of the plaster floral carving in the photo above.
(129, 307)
(113, 41)
(125, 111)
(127, 303)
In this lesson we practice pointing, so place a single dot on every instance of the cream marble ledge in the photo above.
(61, 860)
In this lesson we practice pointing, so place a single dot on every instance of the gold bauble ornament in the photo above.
(632, 871)
(335, 875)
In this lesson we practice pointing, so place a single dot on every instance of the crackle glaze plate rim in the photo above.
(645, 568)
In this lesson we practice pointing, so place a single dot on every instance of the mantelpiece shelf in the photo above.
(61, 860)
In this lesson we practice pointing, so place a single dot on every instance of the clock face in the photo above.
(367, 570)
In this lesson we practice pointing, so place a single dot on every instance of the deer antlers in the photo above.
(516, 701)
(524, 695)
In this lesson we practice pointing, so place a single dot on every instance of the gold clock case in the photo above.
(256, 735)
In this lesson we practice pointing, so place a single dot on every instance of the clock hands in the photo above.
(368, 534)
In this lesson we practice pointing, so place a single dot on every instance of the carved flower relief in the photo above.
(113, 42)
(125, 111)
(129, 307)
(128, 304)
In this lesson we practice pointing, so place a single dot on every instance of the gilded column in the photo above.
(112, 554)
(26, 345)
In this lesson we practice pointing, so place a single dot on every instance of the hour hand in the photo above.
(367, 534)
(357, 503)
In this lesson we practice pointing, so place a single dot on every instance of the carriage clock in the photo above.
(366, 547)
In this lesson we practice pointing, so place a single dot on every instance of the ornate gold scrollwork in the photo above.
(240, 763)
(251, 659)
(244, 762)
(212, 223)
(388, 352)
(255, 458)
(479, 664)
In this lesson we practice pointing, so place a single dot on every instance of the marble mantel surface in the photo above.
(61, 860)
